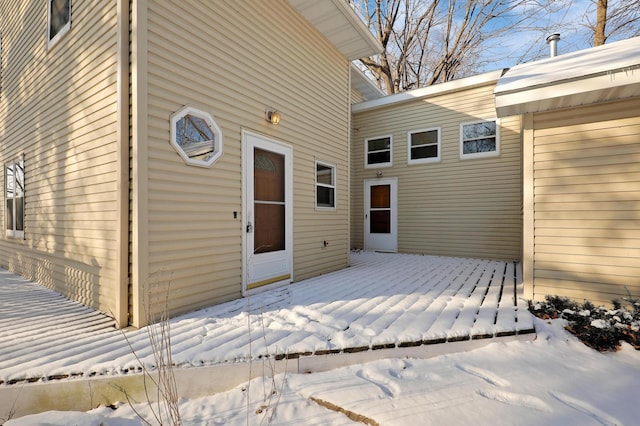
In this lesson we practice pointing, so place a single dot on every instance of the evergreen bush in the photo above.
(598, 327)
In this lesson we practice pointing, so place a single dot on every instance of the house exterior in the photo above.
(173, 155)
(435, 171)
(581, 171)
(141, 172)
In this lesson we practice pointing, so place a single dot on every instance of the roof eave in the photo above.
(613, 85)
(429, 91)
(339, 23)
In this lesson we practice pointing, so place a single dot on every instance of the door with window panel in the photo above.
(380, 219)
(268, 212)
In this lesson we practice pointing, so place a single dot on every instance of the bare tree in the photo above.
(601, 22)
(618, 19)
(428, 42)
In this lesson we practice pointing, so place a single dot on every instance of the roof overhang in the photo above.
(594, 75)
(429, 91)
(340, 24)
(364, 85)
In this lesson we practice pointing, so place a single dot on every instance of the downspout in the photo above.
(350, 131)
(122, 111)
(139, 163)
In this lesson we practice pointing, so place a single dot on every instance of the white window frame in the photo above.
(333, 179)
(366, 153)
(14, 233)
(438, 144)
(213, 126)
(495, 153)
(51, 41)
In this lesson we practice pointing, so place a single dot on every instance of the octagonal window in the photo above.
(196, 137)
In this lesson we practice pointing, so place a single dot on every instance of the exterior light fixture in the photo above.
(273, 116)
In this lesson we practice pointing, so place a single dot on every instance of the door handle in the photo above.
(249, 228)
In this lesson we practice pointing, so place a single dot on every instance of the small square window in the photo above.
(424, 146)
(378, 152)
(59, 20)
(479, 139)
(325, 185)
(14, 198)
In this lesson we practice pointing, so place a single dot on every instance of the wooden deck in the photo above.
(382, 302)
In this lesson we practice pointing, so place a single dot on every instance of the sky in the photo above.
(526, 44)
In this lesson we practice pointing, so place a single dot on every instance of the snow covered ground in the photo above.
(552, 380)
(382, 300)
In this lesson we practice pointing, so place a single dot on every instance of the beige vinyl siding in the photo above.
(468, 208)
(356, 96)
(587, 202)
(218, 57)
(58, 107)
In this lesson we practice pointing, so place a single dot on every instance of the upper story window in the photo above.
(479, 139)
(325, 185)
(59, 20)
(196, 137)
(378, 152)
(424, 146)
(14, 198)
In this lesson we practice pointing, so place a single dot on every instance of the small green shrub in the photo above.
(598, 327)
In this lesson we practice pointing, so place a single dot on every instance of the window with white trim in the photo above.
(479, 139)
(424, 146)
(378, 151)
(325, 185)
(196, 137)
(14, 198)
(59, 20)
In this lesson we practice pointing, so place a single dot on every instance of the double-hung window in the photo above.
(378, 152)
(479, 139)
(424, 146)
(59, 20)
(325, 185)
(14, 198)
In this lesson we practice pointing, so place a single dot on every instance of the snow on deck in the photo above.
(382, 301)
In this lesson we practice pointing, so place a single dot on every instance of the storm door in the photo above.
(380, 215)
(268, 212)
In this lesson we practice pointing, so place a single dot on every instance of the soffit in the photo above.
(364, 85)
(340, 25)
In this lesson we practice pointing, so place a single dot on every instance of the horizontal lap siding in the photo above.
(587, 202)
(234, 59)
(58, 107)
(469, 208)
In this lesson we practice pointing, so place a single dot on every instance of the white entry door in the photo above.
(381, 214)
(267, 212)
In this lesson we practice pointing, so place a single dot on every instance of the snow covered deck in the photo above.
(381, 302)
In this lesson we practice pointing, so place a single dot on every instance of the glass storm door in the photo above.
(268, 212)
(380, 214)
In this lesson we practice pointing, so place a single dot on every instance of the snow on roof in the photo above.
(597, 74)
(429, 91)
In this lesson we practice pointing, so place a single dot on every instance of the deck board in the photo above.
(382, 301)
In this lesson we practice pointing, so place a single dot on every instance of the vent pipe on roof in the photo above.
(552, 41)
